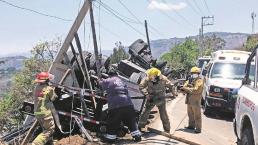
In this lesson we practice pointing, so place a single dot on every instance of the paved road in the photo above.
(216, 130)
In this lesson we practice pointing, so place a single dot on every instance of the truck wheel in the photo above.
(247, 137)
(206, 108)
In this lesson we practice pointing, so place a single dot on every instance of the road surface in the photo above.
(217, 130)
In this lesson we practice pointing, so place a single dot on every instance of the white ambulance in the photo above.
(224, 74)
(246, 113)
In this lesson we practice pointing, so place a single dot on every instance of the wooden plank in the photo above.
(27, 137)
(172, 136)
(69, 38)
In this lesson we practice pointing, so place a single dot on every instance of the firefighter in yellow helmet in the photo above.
(43, 97)
(193, 88)
(154, 88)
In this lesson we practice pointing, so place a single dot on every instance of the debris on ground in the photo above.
(72, 140)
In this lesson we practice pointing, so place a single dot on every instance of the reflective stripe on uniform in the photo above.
(137, 132)
(39, 113)
(109, 136)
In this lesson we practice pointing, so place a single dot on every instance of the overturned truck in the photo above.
(81, 105)
(81, 97)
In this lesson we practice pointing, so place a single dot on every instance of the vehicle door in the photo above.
(246, 104)
(205, 79)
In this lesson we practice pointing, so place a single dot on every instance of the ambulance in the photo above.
(246, 112)
(223, 75)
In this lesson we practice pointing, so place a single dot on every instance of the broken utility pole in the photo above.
(97, 55)
(147, 34)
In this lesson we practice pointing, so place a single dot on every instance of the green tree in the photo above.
(118, 53)
(251, 42)
(22, 82)
(182, 56)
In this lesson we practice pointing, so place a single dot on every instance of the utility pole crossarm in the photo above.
(204, 23)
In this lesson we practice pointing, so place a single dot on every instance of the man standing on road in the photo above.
(194, 87)
(154, 88)
(120, 107)
(43, 96)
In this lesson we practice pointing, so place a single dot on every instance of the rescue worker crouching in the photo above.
(154, 88)
(43, 97)
(120, 107)
(193, 99)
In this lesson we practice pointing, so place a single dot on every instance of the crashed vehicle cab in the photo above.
(75, 80)
(81, 104)
(223, 76)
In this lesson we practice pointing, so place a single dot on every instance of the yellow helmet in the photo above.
(195, 70)
(153, 72)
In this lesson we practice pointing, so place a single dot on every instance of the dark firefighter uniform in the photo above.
(154, 88)
(193, 100)
(120, 107)
(44, 95)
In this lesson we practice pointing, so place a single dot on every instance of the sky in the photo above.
(21, 29)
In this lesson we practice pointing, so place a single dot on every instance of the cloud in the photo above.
(156, 5)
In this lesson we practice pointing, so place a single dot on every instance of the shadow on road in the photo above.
(226, 116)
(186, 130)
(148, 138)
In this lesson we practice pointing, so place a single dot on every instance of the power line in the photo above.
(154, 29)
(106, 29)
(169, 17)
(129, 11)
(110, 32)
(181, 16)
(195, 3)
(34, 11)
(190, 4)
(117, 13)
(206, 5)
(110, 10)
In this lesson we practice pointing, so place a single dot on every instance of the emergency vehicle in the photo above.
(202, 61)
(246, 112)
(224, 74)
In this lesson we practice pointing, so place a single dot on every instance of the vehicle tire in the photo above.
(206, 108)
(247, 137)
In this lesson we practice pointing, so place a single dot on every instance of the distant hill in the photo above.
(11, 62)
(160, 46)
(233, 41)
(8, 67)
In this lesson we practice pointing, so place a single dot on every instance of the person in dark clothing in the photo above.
(119, 104)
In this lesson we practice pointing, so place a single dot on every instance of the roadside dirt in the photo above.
(72, 140)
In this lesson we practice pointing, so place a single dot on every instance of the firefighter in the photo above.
(44, 95)
(120, 107)
(154, 88)
(193, 88)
